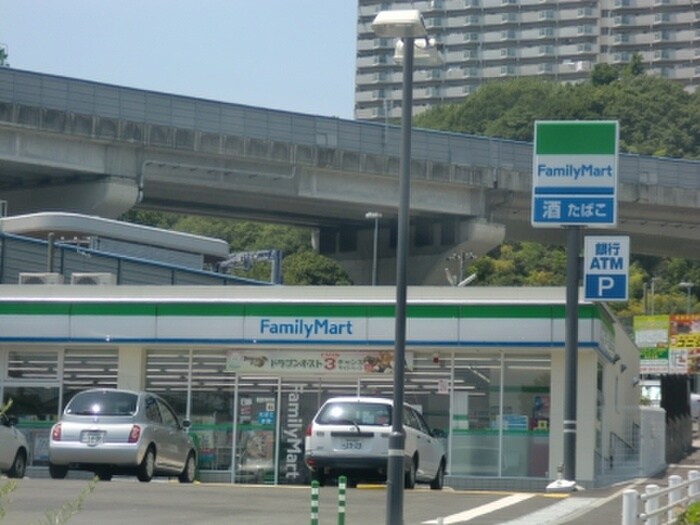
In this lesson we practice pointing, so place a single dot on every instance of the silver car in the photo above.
(14, 452)
(111, 431)
(350, 436)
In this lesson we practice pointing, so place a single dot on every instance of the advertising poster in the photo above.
(320, 362)
(684, 342)
(257, 416)
(651, 335)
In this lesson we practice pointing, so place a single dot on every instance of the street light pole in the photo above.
(688, 288)
(376, 216)
(407, 25)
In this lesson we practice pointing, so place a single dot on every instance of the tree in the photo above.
(310, 268)
(604, 74)
(307, 267)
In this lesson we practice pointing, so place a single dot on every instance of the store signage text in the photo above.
(305, 328)
(571, 171)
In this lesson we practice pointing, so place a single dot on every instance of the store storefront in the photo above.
(250, 366)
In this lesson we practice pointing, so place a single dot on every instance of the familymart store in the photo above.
(249, 366)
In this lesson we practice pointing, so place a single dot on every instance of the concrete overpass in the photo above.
(79, 146)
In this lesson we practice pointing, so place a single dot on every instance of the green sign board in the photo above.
(575, 174)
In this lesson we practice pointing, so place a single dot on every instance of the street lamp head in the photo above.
(426, 52)
(685, 284)
(373, 215)
(400, 23)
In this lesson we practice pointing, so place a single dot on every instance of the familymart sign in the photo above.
(575, 174)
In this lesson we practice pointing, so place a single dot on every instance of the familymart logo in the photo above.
(306, 328)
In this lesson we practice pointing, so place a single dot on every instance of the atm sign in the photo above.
(606, 268)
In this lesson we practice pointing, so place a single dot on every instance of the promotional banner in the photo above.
(313, 362)
(651, 337)
(684, 342)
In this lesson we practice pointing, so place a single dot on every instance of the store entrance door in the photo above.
(256, 430)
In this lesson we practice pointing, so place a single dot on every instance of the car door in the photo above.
(174, 439)
(8, 444)
(426, 444)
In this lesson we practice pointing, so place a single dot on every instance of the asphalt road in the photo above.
(125, 500)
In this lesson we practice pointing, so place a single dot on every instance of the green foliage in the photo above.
(66, 511)
(300, 264)
(532, 264)
(657, 117)
(53, 517)
(691, 515)
(604, 74)
(5, 491)
(4, 408)
(310, 268)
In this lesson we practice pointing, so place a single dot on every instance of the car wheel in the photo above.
(57, 471)
(188, 473)
(410, 476)
(147, 466)
(19, 465)
(439, 480)
(104, 474)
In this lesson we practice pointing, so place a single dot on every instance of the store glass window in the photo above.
(210, 398)
(36, 408)
(212, 409)
(85, 368)
(475, 449)
(32, 365)
(524, 422)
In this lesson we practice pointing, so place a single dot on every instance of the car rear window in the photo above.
(355, 413)
(104, 403)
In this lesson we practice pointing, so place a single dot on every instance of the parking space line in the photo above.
(468, 515)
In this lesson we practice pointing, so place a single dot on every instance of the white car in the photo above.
(14, 452)
(350, 436)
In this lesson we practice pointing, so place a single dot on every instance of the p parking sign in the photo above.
(575, 174)
(606, 268)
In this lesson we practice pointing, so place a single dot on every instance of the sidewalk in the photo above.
(604, 506)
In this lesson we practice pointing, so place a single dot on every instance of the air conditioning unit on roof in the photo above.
(40, 278)
(93, 278)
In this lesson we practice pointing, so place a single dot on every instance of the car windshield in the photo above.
(103, 403)
(356, 413)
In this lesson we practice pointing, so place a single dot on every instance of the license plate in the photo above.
(92, 438)
(351, 444)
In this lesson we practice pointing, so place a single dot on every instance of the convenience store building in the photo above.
(250, 365)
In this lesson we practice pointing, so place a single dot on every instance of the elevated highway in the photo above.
(85, 147)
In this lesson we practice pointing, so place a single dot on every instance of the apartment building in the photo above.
(486, 40)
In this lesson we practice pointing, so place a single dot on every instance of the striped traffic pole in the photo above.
(314, 502)
(342, 485)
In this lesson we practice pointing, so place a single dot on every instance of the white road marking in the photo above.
(468, 515)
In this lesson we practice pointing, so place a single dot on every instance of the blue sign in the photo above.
(601, 287)
(606, 268)
(573, 210)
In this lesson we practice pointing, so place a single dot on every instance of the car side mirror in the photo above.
(12, 421)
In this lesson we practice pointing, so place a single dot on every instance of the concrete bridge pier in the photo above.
(432, 250)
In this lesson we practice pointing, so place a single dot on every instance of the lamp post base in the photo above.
(563, 485)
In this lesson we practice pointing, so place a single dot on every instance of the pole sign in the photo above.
(606, 268)
(575, 174)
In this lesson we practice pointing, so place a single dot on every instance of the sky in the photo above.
(294, 55)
